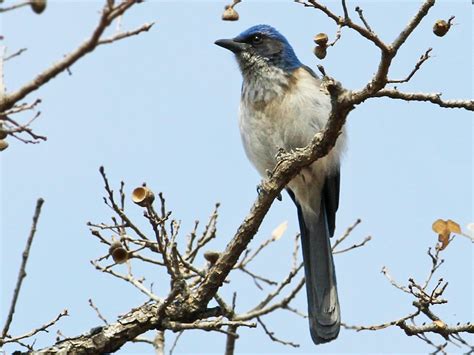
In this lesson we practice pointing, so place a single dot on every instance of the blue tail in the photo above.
(321, 286)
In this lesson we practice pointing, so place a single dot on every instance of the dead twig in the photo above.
(22, 271)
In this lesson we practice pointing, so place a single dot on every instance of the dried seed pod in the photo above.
(114, 245)
(143, 196)
(321, 39)
(120, 255)
(3, 145)
(38, 6)
(3, 133)
(441, 27)
(211, 256)
(230, 14)
(320, 52)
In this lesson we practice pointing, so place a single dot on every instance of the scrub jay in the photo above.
(283, 106)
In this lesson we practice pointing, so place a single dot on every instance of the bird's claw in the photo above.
(280, 154)
(260, 190)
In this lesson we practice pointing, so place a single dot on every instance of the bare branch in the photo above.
(346, 234)
(15, 6)
(43, 328)
(129, 278)
(144, 28)
(434, 98)
(346, 22)
(380, 326)
(424, 57)
(22, 271)
(175, 342)
(101, 317)
(362, 18)
(109, 14)
(16, 54)
(354, 246)
(392, 280)
(435, 327)
(410, 27)
(272, 336)
(344, 9)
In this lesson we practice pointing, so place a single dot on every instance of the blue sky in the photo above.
(162, 108)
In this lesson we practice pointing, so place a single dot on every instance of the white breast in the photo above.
(277, 111)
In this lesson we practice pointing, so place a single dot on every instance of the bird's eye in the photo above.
(256, 39)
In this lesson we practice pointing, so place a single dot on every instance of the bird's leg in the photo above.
(280, 154)
(260, 189)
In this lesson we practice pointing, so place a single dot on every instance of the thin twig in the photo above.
(423, 58)
(434, 98)
(272, 336)
(144, 28)
(346, 234)
(354, 246)
(43, 328)
(362, 18)
(15, 6)
(16, 54)
(22, 271)
(392, 280)
(175, 342)
(101, 317)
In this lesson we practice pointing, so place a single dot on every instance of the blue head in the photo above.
(262, 44)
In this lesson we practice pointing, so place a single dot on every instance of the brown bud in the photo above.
(320, 52)
(38, 6)
(211, 256)
(321, 39)
(120, 255)
(3, 145)
(441, 27)
(143, 196)
(230, 14)
(3, 133)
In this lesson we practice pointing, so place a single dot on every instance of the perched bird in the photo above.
(283, 106)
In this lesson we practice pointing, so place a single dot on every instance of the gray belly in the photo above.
(263, 136)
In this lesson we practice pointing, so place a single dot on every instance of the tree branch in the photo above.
(109, 14)
(434, 98)
(22, 271)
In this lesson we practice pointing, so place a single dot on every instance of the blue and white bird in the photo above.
(283, 106)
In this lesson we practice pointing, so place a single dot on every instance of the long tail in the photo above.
(321, 287)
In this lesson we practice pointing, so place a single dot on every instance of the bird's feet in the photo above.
(260, 190)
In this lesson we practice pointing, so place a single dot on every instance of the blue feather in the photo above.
(286, 59)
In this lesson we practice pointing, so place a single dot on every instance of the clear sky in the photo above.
(162, 108)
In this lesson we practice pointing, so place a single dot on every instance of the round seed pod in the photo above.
(320, 52)
(321, 39)
(441, 27)
(38, 6)
(120, 255)
(115, 244)
(230, 14)
(143, 196)
(211, 256)
(3, 133)
(3, 145)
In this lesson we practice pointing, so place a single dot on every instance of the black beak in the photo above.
(231, 45)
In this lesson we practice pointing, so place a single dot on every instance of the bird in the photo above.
(283, 106)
